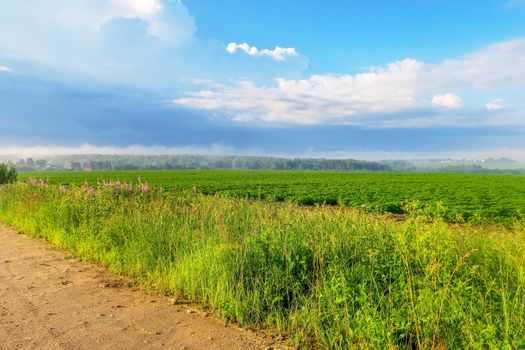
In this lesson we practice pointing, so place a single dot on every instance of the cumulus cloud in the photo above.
(76, 34)
(147, 43)
(94, 14)
(278, 53)
(144, 8)
(494, 105)
(447, 100)
(317, 99)
(404, 86)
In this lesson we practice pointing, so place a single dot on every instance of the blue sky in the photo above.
(375, 79)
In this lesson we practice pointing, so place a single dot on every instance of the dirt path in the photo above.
(49, 300)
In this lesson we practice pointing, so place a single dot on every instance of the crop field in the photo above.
(455, 197)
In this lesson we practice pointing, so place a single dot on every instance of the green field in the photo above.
(463, 197)
(326, 277)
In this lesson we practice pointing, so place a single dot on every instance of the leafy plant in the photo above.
(7, 174)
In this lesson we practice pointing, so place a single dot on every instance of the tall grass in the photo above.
(327, 277)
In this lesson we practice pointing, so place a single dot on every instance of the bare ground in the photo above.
(50, 300)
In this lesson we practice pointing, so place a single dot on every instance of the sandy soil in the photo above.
(50, 300)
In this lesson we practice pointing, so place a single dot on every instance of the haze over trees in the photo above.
(191, 162)
(179, 162)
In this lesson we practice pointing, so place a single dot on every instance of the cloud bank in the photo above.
(408, 86)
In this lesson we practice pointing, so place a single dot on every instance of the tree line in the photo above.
(161, 162)
(195, 162)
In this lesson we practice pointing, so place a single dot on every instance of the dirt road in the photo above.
(49, 300)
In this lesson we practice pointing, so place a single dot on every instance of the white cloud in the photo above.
(403, 86)
(116, 41)
(278, 54)
(44, 29)
(501, 65)
(494, 105)
(447, 100)
(140, 8)
(4, 69)
(317, 99)
(145, 43)
(94, 14)
(151, 11)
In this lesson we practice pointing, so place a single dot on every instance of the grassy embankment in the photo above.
(326, 276)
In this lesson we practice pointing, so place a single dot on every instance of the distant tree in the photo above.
(8, 174)
(30, 162)
(75, 165)
(42, 163)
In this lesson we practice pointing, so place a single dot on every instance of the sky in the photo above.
(337, 79)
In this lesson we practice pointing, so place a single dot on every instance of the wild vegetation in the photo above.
(8, 174)
(328, 276)
(454, 197)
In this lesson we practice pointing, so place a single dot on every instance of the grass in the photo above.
(462, 197)
(325, 276)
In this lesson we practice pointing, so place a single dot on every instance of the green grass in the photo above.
(474, 198)
(326, 276)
